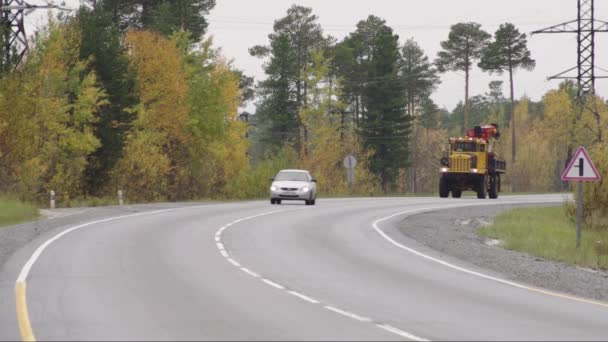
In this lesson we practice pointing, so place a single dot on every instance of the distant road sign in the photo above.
(350, 162)
(581, 168)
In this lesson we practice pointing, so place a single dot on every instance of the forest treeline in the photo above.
(134, 95)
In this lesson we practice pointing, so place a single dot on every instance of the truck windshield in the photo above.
(465, 147)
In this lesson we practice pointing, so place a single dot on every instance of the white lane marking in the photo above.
(465, 270)
(233, 262)
(273, 284)
(347, 314)
(400, 332)
(220, 246)
(250, 272)
(303, 297)
(34, 257)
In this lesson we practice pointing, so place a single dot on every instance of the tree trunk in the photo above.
(466, 100)
(513, 128)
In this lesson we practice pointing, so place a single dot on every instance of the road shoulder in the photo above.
(453, 232)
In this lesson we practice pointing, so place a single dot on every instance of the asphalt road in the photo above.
(255, 271)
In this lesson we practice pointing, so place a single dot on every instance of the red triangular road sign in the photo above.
(581, 168)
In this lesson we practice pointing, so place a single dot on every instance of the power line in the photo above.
(585, 26)
(15, 45)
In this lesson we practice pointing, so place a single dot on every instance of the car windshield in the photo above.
(292, 176)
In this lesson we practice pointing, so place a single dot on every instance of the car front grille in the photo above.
(289, 189)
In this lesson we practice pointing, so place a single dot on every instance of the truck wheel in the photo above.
(481, 187)
(444, 190)
(493, 192)
(456, 193)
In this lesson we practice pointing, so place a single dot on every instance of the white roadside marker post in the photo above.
(52, 204)
(120, 198)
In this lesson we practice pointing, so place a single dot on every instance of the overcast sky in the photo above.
(239, 24)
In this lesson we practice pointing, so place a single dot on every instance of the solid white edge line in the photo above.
(224, 254)
(471, 272)
(34, 257)
(273, 284)
(250, 272)
(233, 262)
(303, 297)
(401, 332)
(347, 314)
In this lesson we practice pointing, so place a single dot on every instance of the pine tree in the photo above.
(384, 126)
(466, 43)
(508, 52)
(296, 37)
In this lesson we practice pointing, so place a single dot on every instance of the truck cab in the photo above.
(471, 164)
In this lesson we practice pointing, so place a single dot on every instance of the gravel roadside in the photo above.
(453, 232)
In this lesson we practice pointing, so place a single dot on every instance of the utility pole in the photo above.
(585, 26)
(14, 39)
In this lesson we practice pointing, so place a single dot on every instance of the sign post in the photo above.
(580, 169)
(349, 163)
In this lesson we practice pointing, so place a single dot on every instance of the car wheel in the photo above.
(272, 201)
(313, 202)
(278, 201)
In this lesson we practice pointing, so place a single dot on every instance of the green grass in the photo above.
(13, 212)
(548, 233)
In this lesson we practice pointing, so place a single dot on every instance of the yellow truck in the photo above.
(471, 164)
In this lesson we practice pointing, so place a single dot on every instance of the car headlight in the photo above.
(305, 189)
(273, 188)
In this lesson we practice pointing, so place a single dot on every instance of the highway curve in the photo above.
(253, 271)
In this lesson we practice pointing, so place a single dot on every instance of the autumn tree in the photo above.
(465, 45)
(324, 127)
(50, 107)
(101, 43)
(508, 52)
(155, 155)
(218, 152)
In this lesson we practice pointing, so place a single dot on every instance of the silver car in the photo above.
(293, 185)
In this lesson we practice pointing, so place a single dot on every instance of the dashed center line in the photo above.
(273, 284)
(223, 250)
(303, 297)
(348, 314)
(250, 272)
(400, 332)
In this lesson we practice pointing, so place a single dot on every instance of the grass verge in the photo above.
(550, 234)
(14, 211)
